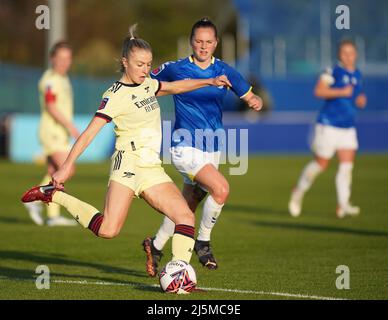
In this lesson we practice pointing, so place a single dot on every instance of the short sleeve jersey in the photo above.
(54, 87)
(340, 112)
(201, 108)
(135, 111)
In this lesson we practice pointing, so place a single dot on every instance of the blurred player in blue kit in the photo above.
(335, 132)
(198, 161)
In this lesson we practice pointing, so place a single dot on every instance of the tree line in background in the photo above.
(96, 29)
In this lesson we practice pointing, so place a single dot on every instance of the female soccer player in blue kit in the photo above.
(198, 161)
(335, 130)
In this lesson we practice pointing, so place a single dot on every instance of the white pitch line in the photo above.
(283, 294)
(105, 283)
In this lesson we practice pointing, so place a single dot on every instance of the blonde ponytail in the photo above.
(131, 42)
(131, 31)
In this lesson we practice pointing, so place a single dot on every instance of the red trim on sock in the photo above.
(182, 227)
(185, 230)
(95, 223)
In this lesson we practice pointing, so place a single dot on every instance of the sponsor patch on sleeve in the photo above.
(103, 103)
(157, 70)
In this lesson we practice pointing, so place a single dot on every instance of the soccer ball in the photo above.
(177, 277)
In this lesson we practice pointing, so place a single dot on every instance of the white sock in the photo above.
(309, 173)
(343, 182)
(164, 233)
(34, 207)
(211, 211)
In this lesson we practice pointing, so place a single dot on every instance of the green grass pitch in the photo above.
(263, 253)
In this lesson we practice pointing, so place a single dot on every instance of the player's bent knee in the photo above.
(323, 163)
(108, 234)
(221, 194)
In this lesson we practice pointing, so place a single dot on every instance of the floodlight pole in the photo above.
(57, 29)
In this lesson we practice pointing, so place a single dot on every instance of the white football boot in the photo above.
(295, 204)
(35, 209)
(347, 210)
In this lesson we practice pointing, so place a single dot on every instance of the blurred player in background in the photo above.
(56, 126)
(335, 132)
(136, 166)
(199, 161)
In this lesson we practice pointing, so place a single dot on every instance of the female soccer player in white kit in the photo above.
(335, 131)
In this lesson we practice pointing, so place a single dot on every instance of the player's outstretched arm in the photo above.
(253, 101)
(324, 91)
(182, 86)
(63, 173)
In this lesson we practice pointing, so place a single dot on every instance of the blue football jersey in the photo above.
(341, 112)
(201, 108)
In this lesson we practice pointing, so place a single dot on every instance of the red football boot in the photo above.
(39, 193)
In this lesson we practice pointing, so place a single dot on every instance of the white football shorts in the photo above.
(189, 161)
(327, 140)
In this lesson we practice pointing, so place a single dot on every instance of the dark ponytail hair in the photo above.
(203, 23)
(130, 43)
